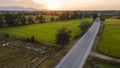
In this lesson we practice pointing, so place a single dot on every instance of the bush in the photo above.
(6, 35)
(84, 26)
(32, 39)
(27, 40)
(52, 19)
(94, 16)
(77, 36)
(102, 18)
(63, 36)
(118, 18)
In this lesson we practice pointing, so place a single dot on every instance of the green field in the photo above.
(44, 32)
(110, 41)
(112, 21)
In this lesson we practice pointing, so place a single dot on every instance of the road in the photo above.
(77, 56)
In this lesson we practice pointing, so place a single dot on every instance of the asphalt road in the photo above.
(77, 56)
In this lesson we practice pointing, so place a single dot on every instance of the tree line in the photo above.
(8, 19)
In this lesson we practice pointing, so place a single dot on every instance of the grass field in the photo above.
(112, 21)
(44, 32)
(110, 41)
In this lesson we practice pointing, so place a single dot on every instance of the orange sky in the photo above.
(65, 4)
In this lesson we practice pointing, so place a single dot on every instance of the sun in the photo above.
(53, 5)
(50, 4)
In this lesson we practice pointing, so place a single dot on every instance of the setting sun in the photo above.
(49, 4)
(52, 5)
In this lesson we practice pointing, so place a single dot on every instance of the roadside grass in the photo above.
(110, 41)
(108, 66)
(98, 63)
(44, 32)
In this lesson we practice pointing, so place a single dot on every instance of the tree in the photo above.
(23, 20)
(84, 26)
(30, 20)
(64, 16)
(94, 16)
(32, 39)
(52, 19)
(41, 19)
(1, 21)
(102, 18)
(11, 19)
(63, 36)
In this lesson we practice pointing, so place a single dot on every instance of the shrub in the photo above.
(118, 18)
(32, 39)
(94, 16)
(28, 40)
(77, 36)
(63, 36)
(52, 19)
(102, 18)
(84, 26)
(6, 35)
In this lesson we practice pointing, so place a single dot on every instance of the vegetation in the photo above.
(98, 63)
(84, 26)
(102, 18)
(32, 39)
(18, 54)
(112, 21)
(108, 66)
(41, 19)
(6, 35)
(63, 36)
(8, 19)
(95, 16)
(44, 32)
(110, 40)
(109, 43)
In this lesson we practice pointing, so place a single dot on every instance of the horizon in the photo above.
(64, 5)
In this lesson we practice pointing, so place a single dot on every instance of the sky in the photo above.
(65, 4)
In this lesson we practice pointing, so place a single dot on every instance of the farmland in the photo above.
(18, 53)
(44, 32)
(15, 54)
(112, 21)
(110, 44)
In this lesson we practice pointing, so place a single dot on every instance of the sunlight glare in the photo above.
(50, 4)
(53, 5)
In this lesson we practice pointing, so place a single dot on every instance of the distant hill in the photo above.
(16, 8)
